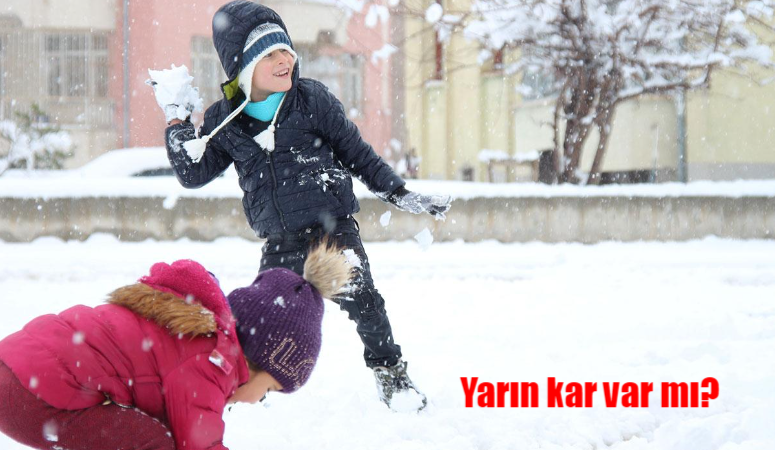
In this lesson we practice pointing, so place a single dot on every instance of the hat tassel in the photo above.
(196, 147)
(266, 138)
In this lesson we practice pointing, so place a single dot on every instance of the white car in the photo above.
(128, 162)
(125, 162)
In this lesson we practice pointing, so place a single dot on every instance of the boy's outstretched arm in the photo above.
(178, 99)
(360, 159)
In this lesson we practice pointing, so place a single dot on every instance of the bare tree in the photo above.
(600, 53)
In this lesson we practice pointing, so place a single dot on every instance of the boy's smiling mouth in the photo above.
(282, 73)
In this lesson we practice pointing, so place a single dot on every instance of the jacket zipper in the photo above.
(275, 200)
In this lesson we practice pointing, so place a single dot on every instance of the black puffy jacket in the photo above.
(307, 179)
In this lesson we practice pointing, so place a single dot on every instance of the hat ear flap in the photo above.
(245, 78)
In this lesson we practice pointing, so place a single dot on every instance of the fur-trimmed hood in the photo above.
(167, 310)
(83, 356)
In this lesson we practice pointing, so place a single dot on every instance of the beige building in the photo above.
(57, 55)
(456, 107)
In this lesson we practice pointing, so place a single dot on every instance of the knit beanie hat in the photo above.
(190, 281)
(263, 40)
(279, 316)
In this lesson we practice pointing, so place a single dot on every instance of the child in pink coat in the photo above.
(155, 367)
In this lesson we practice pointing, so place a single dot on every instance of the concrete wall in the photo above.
(553, 219)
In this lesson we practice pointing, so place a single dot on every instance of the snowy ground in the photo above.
(517, 312)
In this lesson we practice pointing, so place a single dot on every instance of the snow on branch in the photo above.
(595, 54)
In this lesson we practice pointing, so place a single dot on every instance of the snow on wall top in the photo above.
(32, 186)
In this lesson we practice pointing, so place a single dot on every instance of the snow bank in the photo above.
(34, 186)
(516, 312)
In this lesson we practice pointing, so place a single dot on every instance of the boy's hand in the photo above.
(174, 93)
(435, 205)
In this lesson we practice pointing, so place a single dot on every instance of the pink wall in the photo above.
(160, 35)
(375, 125)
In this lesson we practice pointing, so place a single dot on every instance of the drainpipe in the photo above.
(680, 106)
(126, 74)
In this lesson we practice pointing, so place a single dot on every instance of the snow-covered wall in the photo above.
(562, 218)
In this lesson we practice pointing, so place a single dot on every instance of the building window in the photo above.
(438, 57)
(3, 73)
(537, 84)
(352, 84)
(497, 59)
(65, 73)
(342, 73)
(206, 69)
(76, 64)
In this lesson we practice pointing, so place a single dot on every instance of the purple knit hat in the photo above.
(279, 320)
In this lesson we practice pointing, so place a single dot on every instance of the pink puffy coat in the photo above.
(176, 360)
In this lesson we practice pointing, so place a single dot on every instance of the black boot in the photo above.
(396, 389)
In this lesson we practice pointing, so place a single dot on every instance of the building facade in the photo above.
(457, 108)
(85, 63)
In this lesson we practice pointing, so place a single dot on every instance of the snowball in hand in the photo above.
(172, 87)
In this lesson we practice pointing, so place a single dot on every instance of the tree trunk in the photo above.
(604, 118)
(577, 123)
(604, 130)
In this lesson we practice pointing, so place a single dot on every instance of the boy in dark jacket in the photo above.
(295, 152)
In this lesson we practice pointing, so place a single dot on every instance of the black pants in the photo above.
(362, 302)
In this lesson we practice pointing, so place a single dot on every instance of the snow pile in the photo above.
(406, 402)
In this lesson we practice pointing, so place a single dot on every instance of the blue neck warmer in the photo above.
(264, 111)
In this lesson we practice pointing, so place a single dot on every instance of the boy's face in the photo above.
(273, 73)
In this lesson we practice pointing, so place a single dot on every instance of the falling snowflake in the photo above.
(51, 431)
(78, 337)
(424, 238)
(384, 219)
(352, 258)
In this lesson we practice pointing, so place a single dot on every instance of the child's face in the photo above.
(272, 74)
(256, 388)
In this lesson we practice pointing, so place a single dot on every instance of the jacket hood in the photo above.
(167, 310)
(232, 24)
